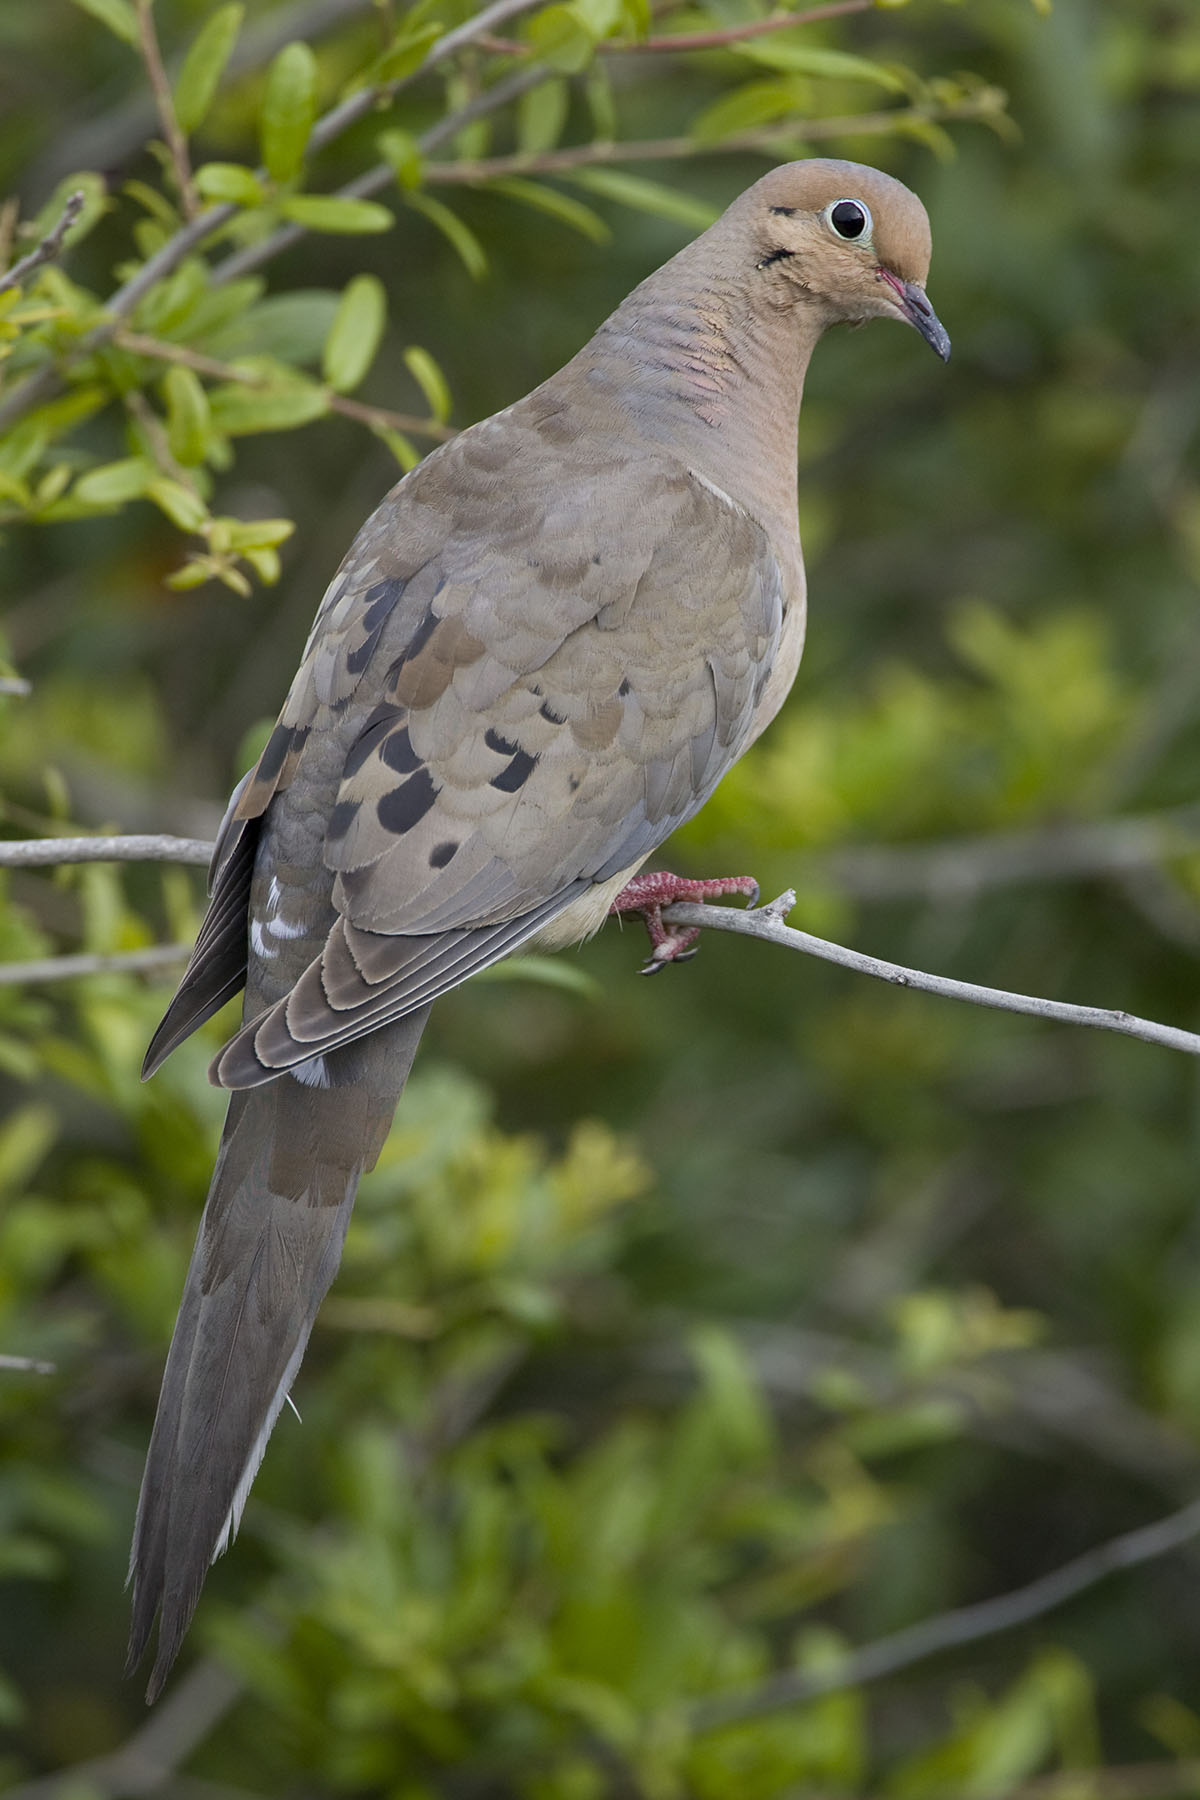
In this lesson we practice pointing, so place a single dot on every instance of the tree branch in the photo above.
(48, 853)
(959, 868)
(50, 246)
(698, 40)
(26, 1365)
(164, 105)
(952, 1630)
(767, 139)
(766, 922)
(163, 351)
(36, 973)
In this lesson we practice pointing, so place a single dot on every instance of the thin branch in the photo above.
(47, 853)
(49, 248)
(164, 105)
(1128, 1781)
(382, 175)
(162, 351)
(147, 1761)
(15, 687)
(36, 973)
(767, 140)
(766, 922)
(958, 868)
(26, 1365)
(698, 40)
(48, 381)
(952, 1630)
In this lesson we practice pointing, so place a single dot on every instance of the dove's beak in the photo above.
(911, 301)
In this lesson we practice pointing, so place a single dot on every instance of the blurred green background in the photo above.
(700, 1329)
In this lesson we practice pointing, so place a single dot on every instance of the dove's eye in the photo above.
(850, 220)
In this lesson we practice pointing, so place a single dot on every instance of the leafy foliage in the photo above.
(692, 1334)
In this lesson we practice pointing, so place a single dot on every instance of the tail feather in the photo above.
(269, 1246)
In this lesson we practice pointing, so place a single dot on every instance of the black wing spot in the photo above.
(398, 752)
(516, 774)
(340, 820)
(551, 717)
(379, 603)
(625, 688)
(500, 745)
(441, 854)
(373, 732)
(407, 805)
(416, 643)
(276, 749)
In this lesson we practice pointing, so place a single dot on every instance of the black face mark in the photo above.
(407, 805)
(773, 256)
(784, 212)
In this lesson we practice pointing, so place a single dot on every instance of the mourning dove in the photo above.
(540, 656)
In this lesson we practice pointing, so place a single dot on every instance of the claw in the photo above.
(649, 894)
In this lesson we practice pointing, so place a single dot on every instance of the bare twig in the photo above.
(164, 105)
(26, 1365)
(36, 973)
(147, 1761)
(766, 922)
(1128, 1781)
(766, 141)
(698, 40)
(959, 868)
(15, 687)
(382, 175)
(50, 246)
(48, 853)
(163, 351)
(952, 1630)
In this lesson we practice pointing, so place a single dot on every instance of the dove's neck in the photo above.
(717, 381)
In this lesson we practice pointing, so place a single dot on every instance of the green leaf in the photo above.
(288, 110)
(405, 55)
(355, 335)
(204, 65)
(568, 211)
(331, 212)
(180, 504)
(239, 410)
(401, 447)
(188, 419)
(401, 150)
(229, 182)
(290, 327)
(118, 15)
(95, 204)
(463, 240)
(430, 380)
(541, 116)
(259, 534)
(646, 196)
(558, 37)
(747, 107)
(795, 57)
(115, 483)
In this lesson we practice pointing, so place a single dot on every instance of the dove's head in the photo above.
(849, 239)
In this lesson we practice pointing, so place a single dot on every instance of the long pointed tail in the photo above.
(269, 1245)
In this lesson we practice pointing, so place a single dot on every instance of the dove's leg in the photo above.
(648, 894)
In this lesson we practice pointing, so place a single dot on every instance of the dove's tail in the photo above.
(270, 1240)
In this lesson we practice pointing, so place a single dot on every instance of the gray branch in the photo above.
(35, 973)
(49, 248)
(952, 1630)
(46, 853)
(766, 922)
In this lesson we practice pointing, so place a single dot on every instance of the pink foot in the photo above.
(648, 894)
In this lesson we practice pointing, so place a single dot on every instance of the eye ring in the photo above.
(849, 220)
